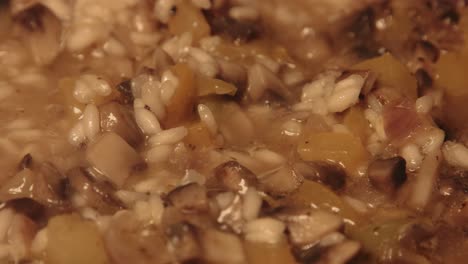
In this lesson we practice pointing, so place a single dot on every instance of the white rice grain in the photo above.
(242, 13)
(151, 96)
(157, 209)
(6, 90)
(169, 136)
(163, 10)
(210, 43)
(82, 92)
(345, 94)
(98, 84)
(292, 128)
(77, 135)
(129, 197)
(39, 243)
(455, 154)
(206, 64)
(145, 38)
(264, 230)
(147, 121)
(159, 153)
(91, 123)
(268, 157)
(114, 47)
(138, 103)
(269, 63)
(203, 4)
(169, 83)
(424, 104)
(6, 216)
(147, 186)
(332, 239)
(178, 46)
(293, 77)
(84, 35)
(412, 155)
(207, 117)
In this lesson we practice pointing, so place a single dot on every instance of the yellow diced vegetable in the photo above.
(316, 195)
(210, 86)
(381, 236)
(391, 72)
(355, 121)
(198, 136)
(343, 148)
(73, 240)
(181, 105)
(451, 72)
(189, 18)
(259, 253)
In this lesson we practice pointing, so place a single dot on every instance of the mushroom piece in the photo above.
(97, 195)
(183, 242)
(240, 31)
(119, 119)
(232, 72)
(327, 173)
(43, 184)
(125, 90)
(114, 157)
(221, 247)
(173, 215)
(26, 162)
(232, 176)
(261, 79)
(387, 174)
(280, 181)
(307, 227)
(190, 197)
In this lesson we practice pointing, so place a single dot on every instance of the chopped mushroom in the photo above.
(190, 197)
(26, 162)
(44, 185)
(232, 72)
(97, 195)
(119, 119)
(330, 174)
(261, 79)
(280, 181)
(387, 174)
(114, 157)
(232, 176)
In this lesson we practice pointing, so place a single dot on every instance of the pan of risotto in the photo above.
(233, 131)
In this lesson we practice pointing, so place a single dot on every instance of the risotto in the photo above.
(233, 131)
